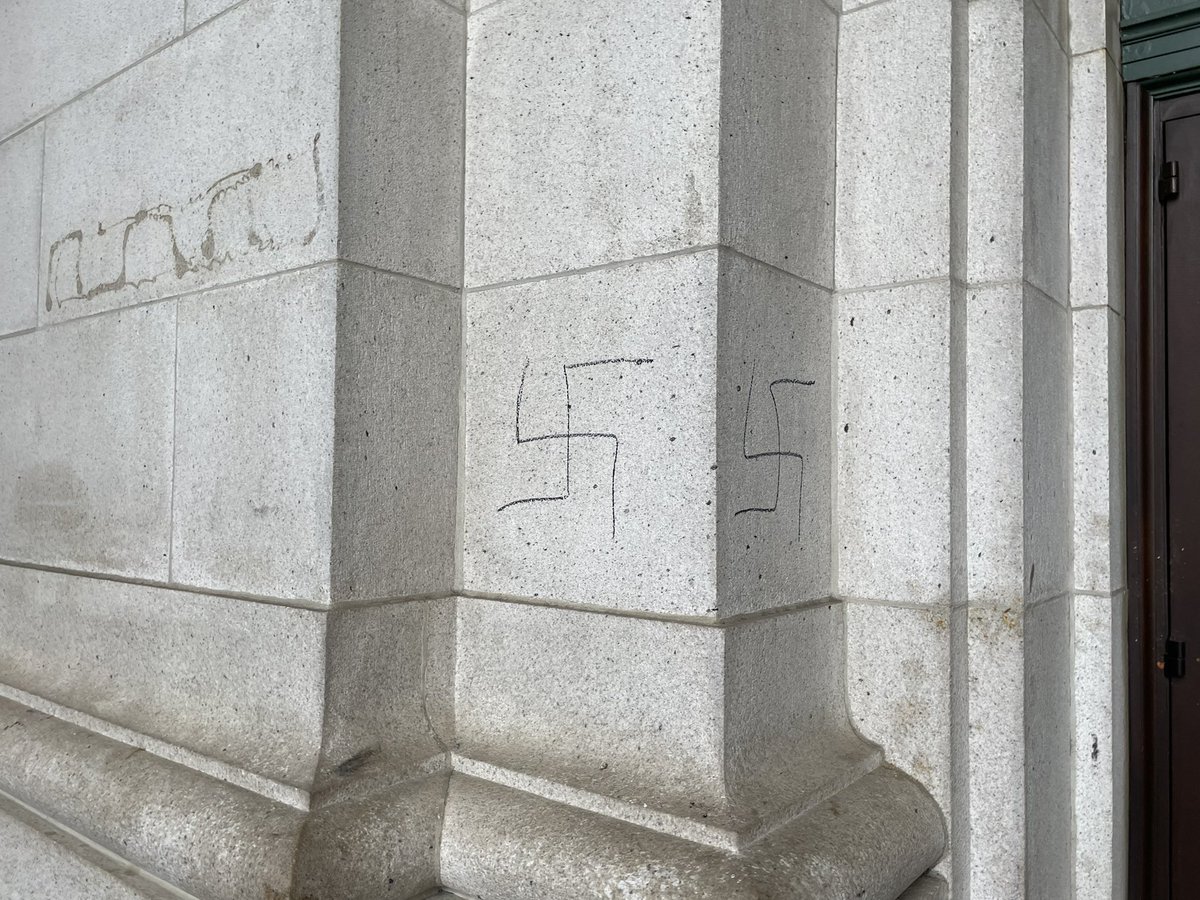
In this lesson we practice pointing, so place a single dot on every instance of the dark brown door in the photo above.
(1180, 178)
(1163, 354)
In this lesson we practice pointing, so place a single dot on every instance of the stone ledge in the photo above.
(209, 838)
(808, 775)
(41, 861)
(213, 839)
(869, 842)
(928, 887)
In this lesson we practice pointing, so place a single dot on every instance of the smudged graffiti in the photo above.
(268, 206)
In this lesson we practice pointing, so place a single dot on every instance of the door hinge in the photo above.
(1173, 659)
(1168, 182)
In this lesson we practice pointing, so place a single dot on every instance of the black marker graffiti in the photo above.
(778, 454)
(568, 435)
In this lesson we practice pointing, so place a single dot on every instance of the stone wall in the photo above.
(552, 448)
(230, 436)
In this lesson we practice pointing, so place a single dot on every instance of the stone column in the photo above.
(1099, 618)
(650, 695)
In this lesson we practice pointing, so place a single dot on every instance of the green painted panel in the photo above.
(1143, 9)
(1161, 42)
(1159, 66)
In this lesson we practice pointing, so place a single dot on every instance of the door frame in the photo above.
(1147, 105)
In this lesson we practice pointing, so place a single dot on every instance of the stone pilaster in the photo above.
(648, 470)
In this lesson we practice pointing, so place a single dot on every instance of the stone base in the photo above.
(379, 836)
(869, 841)
(929, 887)
(41, 861)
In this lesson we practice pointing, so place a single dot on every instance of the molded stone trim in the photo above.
(212, 839)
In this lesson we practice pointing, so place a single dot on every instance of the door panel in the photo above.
(1181, 268)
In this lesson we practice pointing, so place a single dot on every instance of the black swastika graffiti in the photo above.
(779, 453)
(568, 435)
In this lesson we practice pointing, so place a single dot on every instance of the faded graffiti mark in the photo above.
(778, 454)
(268, 206)
(568, 435)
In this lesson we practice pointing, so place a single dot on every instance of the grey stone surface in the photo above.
(148, 196)
(995, 142)
(994, 399)
(898, 681)
(994, 462)
(179, 823)
(676, 727)
(628, 753)
(395, 440)
(837, 850)
(786, 749)
(389, 695)
(347, 378)
(200, 11)
(1121, 775)
(672, 505)
(38, 861)
(893, 117)
(1097, 185)
(778, 96)
(1096, 635)
(55, 51)
(1047, 177)
(400, 137)
(996, 754)
(1049, 805)
(640, 534)
(592, 133)
(368, 834)
(20, 218)
(255, 437)
(773, 397)
(236, 681)
(86, 443)
(893, 434)
(1095, 25)
(1053, 13)
(211, 839)
(626, 707)
(927, 887)
(385, 844)
(1047, 445)
(1098, 483)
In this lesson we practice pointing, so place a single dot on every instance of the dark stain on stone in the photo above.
(354, 763)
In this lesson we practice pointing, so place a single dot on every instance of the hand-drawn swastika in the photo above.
(568, 435)
(778, 454)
